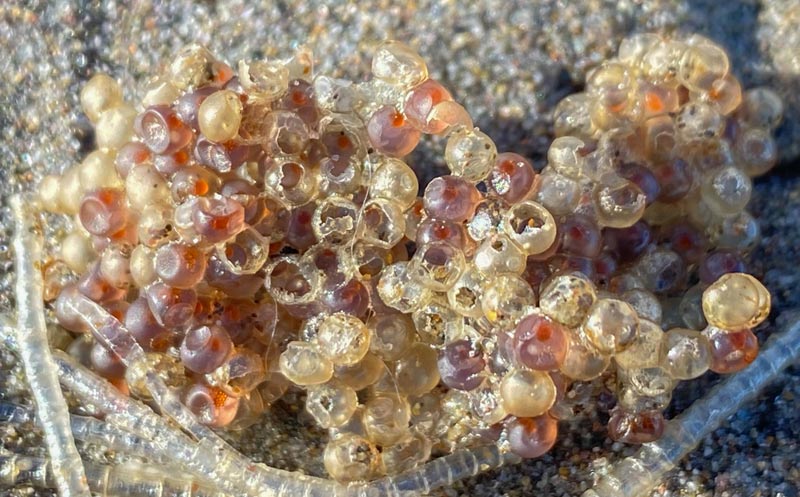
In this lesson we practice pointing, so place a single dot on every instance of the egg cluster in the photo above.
(257, 230)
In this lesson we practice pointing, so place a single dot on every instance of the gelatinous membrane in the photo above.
(266, 234)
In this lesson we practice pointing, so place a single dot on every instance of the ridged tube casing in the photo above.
(34, 351)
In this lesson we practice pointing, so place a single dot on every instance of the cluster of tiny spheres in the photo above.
(257, 230)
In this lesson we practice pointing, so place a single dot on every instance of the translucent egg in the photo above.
(437, 323)
(532, 437)
(331, 404)
(571, 116)
(100, 94)
(220, 115)
(420, 103)
(382, 223)
(557, 193)
(342, 338)
(736, 301)
(386, 418)
(645, 350)
(636, 428)
(757, 151)
(701, 65)
(762, 108)
(699, 120)
(461, 365)
(511, 177)
(611, 325)
(391, 133)
(618, 203)
(417, 372)
(351, 458)
(685, 354)
(498, 254)
(466, 293)
(397, 289)
(395, 180)
(527, 393)
(470, 154)
(530, 226)
(398, 64)
(303, 364)
(567, 298)
(731, 351)
(506, 299)
(727, 191)
(437, 265)
(540, 343)
(565, 156)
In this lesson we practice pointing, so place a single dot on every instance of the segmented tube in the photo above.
(105, 480)
(34, 351)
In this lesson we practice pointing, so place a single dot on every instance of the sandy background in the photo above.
(509, 63)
